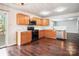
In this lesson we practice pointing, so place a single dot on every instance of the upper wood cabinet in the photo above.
(34, 18)
(22, 19)
(40, 21)
(45, 22)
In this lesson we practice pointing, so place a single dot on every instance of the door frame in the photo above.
(6, 28)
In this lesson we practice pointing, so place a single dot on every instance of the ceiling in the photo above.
(36, 8)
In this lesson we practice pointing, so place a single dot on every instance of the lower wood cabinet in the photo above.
(47, 34)
(23, 37)
(41, 33)
(51, 34)
(26, 37)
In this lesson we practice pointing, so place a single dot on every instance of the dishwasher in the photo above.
(61, 34)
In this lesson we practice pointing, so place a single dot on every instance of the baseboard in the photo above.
(8, 46)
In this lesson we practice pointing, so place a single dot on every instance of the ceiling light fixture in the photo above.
(60, 9)
(20, 4)
(44, 13)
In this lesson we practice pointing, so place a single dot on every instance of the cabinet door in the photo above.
(23, 38)
(45, 22)
(39, 22)
(50, 34)
(26, 37)
(41, 33)
(34, 19)
(26, 19)
(46, 33)
(22, 19)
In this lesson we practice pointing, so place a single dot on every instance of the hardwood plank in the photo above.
(45, 47)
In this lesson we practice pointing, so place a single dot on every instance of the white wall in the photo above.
(12, 26)
(71, 25)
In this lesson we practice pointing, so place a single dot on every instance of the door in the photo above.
(2, 29)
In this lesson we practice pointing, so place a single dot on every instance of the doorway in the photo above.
(3, 27)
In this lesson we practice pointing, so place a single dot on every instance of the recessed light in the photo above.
(60, 9)
(44, 13)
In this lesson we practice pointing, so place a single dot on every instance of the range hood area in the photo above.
(32, 23)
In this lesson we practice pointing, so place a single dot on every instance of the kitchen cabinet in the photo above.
(47, 34)
(45, 22)
(40, 21)
(41, 33)
(34, 18)
(27, 37)
(23, 37)
(22, 19)
(51, 34)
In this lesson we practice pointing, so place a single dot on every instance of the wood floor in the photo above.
(45, 47)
